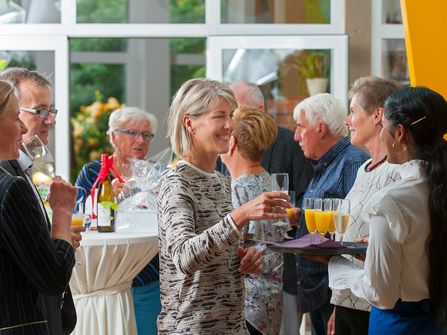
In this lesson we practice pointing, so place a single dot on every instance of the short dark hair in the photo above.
(15, 75)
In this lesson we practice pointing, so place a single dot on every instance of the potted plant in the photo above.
(310, 65)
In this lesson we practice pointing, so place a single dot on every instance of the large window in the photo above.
(140, 51)
(142, 72)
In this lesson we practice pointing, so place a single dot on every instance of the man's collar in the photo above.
(332, 152)
(24, 161)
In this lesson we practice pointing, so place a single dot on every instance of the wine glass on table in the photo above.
(309, 215)
(280, 183)
(341, 216)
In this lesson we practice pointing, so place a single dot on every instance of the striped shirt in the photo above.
(86, 179)
(202, 291)
(335, 173)
(30, 261)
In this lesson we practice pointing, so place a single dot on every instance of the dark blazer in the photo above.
(285, 156)
(60, 321)
(31, 263)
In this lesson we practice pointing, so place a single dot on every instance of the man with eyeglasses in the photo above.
(37, 112)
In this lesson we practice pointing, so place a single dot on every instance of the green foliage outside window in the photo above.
(87, 80)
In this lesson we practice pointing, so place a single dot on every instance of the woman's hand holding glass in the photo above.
(267, 206)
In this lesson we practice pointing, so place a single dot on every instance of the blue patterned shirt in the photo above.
(334, 175)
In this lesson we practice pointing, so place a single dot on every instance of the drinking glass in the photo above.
(341, 216)
(280, 183)
(79, 217)
(291, 211)
(43, 170)
(323, 214)
(329, 206)
(309, 215)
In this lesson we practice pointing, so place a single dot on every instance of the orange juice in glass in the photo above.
(75, 221)
(322, 221)
(77, 217)
(309, 216)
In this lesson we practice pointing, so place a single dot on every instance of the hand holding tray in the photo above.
(318, 245)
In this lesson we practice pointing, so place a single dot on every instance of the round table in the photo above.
(106, 263)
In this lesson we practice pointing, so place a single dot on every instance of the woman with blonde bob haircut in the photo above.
(254, 132)
(201, 261)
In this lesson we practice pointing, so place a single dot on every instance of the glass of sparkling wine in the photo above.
(341, 216)
(43, 170)
(280, 183)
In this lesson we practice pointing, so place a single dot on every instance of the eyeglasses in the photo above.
(147, 136)
(42, 113)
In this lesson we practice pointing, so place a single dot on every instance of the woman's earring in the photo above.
(392, 145)
(405, 148)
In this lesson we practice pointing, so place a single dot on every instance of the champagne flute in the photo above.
(341, 216)
(280, 183)
(329, 206)
(323, 215)
(309, 215)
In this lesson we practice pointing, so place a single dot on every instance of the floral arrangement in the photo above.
(90, 125)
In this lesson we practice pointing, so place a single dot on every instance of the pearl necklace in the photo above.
(369, 168)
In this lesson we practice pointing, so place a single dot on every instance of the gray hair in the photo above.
(325, 108)
(17, 75)
(195, 97)
(123, 115)
(253, 96)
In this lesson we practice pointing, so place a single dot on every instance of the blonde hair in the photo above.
(195, 97)
(326, 108)
(6, 92)
(373, 91)
(255, 132)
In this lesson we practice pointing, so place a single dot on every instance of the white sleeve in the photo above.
(378, 282)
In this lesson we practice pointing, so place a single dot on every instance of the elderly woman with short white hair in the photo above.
(131, 131)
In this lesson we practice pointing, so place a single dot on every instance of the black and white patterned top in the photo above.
(201, 290)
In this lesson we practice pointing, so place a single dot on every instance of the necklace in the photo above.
(251, 167)
(369, 168)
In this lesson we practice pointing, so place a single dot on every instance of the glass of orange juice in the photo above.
(309, 215)
(77, 217)
(324, 216)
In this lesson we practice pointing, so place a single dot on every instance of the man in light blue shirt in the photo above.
(321, 133)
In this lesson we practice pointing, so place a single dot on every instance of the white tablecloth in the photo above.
(106, 263)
